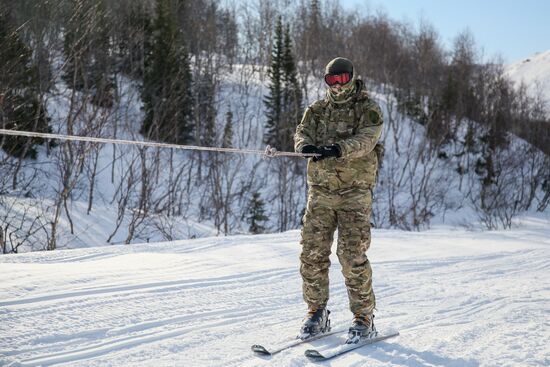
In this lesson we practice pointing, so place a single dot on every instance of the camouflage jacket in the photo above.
(356, 127)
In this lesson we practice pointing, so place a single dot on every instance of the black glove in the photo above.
(308, 149)
(328, 151)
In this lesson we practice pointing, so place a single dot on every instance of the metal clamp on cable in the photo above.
(270, 152)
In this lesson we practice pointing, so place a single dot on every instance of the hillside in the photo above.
(534, 71)
(458, 298)
(462, 148)
(418, 186)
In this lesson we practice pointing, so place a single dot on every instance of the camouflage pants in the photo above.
(349, 212)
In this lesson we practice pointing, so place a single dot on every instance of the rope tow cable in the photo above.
(268, 152)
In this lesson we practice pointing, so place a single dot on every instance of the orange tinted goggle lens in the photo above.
(337, 79)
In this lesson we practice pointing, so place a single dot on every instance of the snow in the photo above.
(458, 298)
(534, 72)
(443, 194)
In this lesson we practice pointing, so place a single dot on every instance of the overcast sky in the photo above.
(513, 29)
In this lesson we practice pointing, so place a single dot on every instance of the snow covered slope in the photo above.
(459, 298)
(534, 71)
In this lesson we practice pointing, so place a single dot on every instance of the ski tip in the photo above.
(314, 355)
(260, 350)
(392, 333)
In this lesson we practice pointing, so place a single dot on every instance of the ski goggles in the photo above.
(341, 79)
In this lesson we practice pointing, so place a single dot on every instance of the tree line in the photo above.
(82, 55)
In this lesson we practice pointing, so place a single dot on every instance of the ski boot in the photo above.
(361, 327)
(316, 322)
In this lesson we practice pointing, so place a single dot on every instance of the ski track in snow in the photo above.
(458, 298)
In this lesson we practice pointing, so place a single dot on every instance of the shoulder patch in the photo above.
(375, 116)
(372, 110)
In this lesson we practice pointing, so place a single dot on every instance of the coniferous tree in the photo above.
(167, 81)
(20, 105)
(256, 217)
(283, 104)
(292, 94)
(227, 139)
(273, 100)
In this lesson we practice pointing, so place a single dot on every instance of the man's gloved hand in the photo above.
(328, 151)
(309, 149)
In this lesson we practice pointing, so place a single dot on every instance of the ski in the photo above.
(329, 353)
(260, 349)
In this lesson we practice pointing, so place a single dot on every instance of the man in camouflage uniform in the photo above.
(343, 130)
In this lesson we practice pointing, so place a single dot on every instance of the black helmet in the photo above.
(339, 65)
